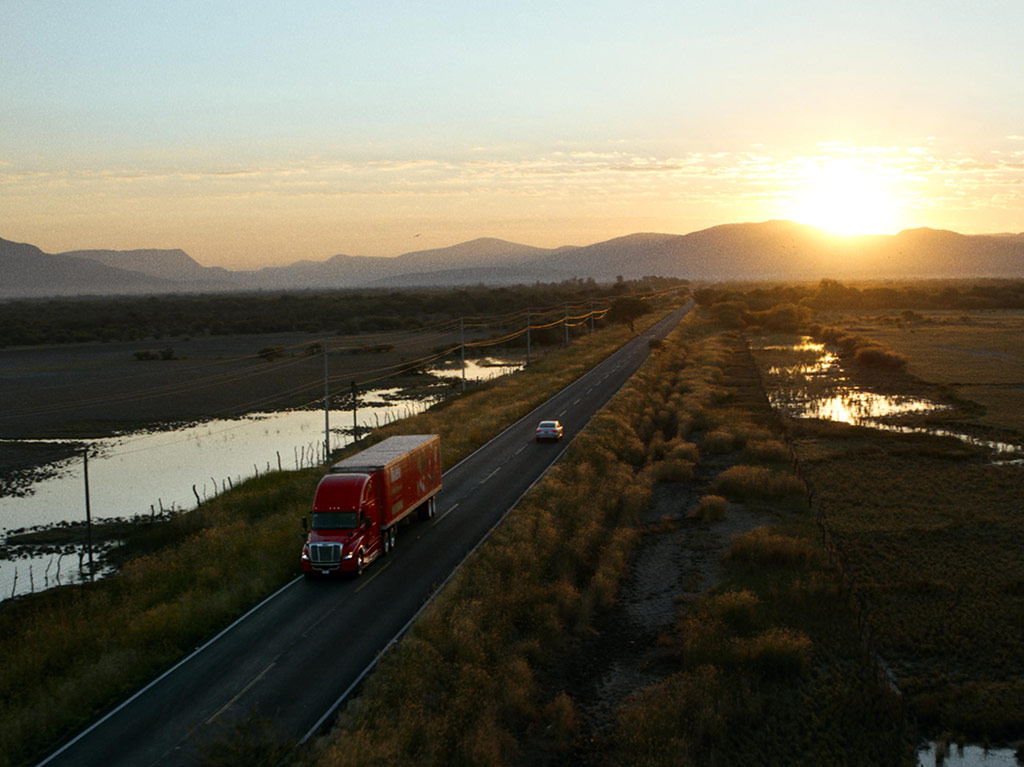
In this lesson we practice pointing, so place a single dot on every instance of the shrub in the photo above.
(271, 353)
(674, 470)
(719, 441)
(710, 508)
(757, 482)
(737, 609)
(776, 652)
(680, 450)
(766, 451)
(731, 314)
(880, 357)
(560, 715)
(763, 547)
(783, 317)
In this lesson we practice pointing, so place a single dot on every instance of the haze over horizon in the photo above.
(256, 134)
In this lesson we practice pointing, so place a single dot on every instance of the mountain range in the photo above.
(775, 250)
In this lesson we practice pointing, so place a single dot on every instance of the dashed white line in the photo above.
(453, 507)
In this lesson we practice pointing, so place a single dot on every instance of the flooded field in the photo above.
(925, 531)
(151, 473)
(804, 379)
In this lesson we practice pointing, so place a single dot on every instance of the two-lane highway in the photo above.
(292, 658)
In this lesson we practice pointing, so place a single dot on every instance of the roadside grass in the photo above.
(769, 667)
(462, 686)
(70, 652)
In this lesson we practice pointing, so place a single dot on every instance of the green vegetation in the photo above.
(70, 652)
(767, 305)
(72, 320)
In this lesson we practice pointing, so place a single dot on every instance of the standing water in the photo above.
(150, 472)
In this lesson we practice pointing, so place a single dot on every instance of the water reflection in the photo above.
(966, 756)
(152, 472)
(852, 406)
(816, 388)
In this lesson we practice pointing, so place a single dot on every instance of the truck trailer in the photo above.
(360, 501)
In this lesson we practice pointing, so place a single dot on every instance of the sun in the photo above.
(845, 197)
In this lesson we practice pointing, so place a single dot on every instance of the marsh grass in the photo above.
(70, 652)
(929, 530)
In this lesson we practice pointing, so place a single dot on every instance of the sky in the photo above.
(257, 133)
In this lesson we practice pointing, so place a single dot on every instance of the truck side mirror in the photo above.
(304, 525)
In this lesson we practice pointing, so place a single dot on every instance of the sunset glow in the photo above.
(843, 197)
(286, 132)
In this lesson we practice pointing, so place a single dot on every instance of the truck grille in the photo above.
(324, 554)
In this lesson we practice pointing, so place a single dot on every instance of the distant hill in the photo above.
(772, 250)
(28, 272)
(165, 264)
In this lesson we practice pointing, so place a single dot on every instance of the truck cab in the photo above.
(344, 532)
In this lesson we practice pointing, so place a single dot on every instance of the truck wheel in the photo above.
(393, 534)
(386, 541)
(359, 563)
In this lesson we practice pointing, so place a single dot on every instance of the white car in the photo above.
(549, 430)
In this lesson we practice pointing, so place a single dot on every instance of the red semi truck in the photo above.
(359, 504)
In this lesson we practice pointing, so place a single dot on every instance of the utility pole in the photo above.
(528, 326)
(462, 346)
(327, 409)
(88, 511)
(355, 420)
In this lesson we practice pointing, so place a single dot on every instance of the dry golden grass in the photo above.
(763, 547)
(743, 481)
(536, 582)
(710, 508)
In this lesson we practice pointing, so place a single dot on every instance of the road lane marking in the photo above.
(521, 449)
(167, 673)
(317, 622)
(563, 412)
(452, 508)
(377, 571)
(241, 692)
(482, 481)
(577, 401)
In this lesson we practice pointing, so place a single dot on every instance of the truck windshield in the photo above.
(335, 520)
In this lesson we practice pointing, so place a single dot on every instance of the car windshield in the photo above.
(335, 520)
(548, 424)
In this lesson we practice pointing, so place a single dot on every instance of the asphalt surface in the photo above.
(293, 658)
